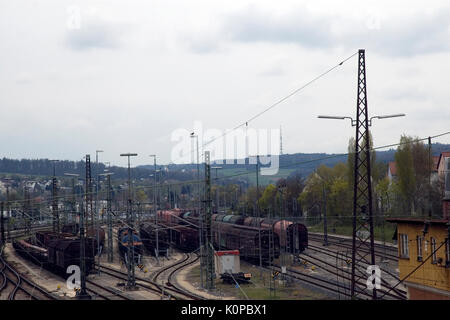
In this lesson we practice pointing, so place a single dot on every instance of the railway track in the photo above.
(14, 286)
(345, 275)
(174, 292)
(317, 281)
(171, 270)
(346, 243)
(103, 292)
(333, 253)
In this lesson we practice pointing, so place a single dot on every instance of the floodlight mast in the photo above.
(353, 121)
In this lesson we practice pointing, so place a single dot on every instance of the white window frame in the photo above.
(404, 246)
(433, 249)
(419, 241)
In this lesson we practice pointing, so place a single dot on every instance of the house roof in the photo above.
(418, 220)
(445, 154)
(436, 162)
(393, 168)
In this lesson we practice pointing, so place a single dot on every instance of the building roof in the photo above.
(445, 154)
(436, 162)
(418, 220)
(393, 168)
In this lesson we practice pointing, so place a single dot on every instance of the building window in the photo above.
(433, 251)
(419, 248)
(404, 246)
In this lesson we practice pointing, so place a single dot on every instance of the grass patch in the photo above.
(347, 230)
(259, 288)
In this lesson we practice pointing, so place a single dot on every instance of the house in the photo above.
(424, 252)
(424, 257)
(441, 163)
(392, 171)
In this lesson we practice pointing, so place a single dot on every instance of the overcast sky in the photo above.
(132, 72)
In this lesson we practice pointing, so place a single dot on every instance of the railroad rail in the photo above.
(174, 268)
(346, 275)
(341, 242)
(104, 292)
(174, 292)
(333, 254)
(19, 284)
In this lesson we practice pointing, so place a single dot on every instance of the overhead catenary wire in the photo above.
(275, 104)
(246, 172)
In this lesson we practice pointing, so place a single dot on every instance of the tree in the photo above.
(413, 170)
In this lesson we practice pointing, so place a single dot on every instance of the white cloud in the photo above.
(135, 72)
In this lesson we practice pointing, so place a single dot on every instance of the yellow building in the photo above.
(424, 257)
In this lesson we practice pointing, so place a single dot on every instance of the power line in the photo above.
(247, 172)
(278, 102)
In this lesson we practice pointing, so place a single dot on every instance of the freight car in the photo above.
(147, 232)
(95, 232)
(293, 236)
(55, 252)
(246, 239)
(74, 229)
(137, 244)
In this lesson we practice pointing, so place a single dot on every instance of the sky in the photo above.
(124, 76)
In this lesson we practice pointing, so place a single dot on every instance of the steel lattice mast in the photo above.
(207, 224)
(363, 252)
(82, 294)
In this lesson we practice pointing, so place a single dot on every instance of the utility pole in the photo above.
(8, 212)
(430, 161)
(73, 199)
(55, 200)
(131, 284)
(27, 211)
(207, 235)
(200, 217)
(363, 248)
(109, 216)
(2, 226)
(97, 213)
(258, 212)
(217, 190)
(324, 205)
(155, 208)
(82, 294)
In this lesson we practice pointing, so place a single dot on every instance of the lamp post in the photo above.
(97, 213)
(55, 200)
(109, 216)
(73, 200)
(353, 121)
(200, 216)
(131, 284)
(8, 212)
(154, 206)
(324, 212)
(217, 190)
